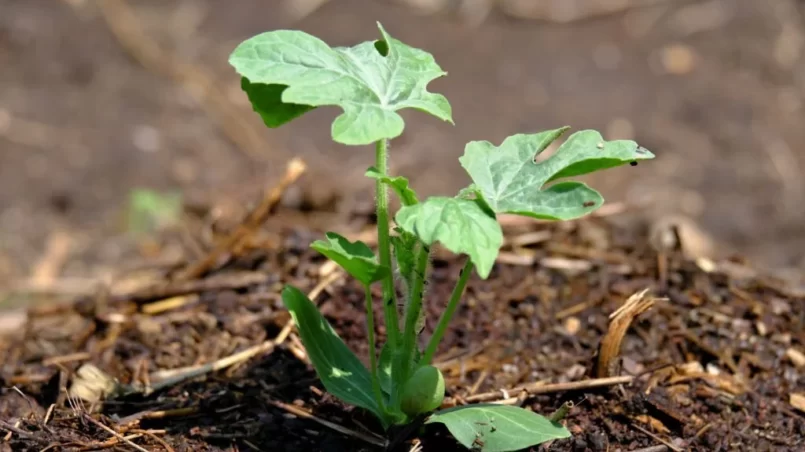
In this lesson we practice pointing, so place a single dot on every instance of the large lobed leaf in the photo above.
(288, 72)
(509, 180)
(460, 225)
(340, 371)
(497, 428)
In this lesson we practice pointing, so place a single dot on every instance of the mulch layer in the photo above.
(649, 349)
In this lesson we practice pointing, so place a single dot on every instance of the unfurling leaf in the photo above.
(354, 257)
(498, 428)
(460, 225)
(404, 245)
(399, 184)
(511, 182)
(340, 371)
(289, 72)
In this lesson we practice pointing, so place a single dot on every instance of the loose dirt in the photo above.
(713, 364)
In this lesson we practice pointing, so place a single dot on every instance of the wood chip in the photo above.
(796, 357)
(510, 258)
(570, 266)
(797, 400)
(167, 304)
(655, 424)
(529, 238)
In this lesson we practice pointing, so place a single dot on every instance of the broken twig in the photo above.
(253, 220)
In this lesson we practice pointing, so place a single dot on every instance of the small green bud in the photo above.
(423, 392)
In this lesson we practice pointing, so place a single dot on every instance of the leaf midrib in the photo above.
(368, 397)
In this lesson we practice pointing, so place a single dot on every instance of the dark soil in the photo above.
(713, 362)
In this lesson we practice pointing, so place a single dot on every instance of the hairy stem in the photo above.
(370, 333)
(414, 307)
(384, 245)
(444, 321)
(384, 250)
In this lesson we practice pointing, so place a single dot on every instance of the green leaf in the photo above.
(461, 225)
(511, 182)
(356, 258)
(370, 82)
(399, 184)
(498, 428)
(384, 367)
(267, 102)
(340, 371)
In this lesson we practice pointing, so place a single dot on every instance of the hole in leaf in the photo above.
(382, 47)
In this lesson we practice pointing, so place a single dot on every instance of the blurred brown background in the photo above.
(100, 97)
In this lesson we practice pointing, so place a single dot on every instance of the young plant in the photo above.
(287, 73)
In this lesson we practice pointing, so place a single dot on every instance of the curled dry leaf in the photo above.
(620, 320)
(93, 385)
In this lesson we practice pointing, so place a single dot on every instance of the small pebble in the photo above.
(572, 325)
(679, 442)
(575, 372)
(597, 441)
(579, 444)
(631, 366)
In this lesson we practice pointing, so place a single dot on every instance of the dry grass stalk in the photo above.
(620, 321)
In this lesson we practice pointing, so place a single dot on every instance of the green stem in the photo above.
(370, 332)
(384, 245)
(441, 328)
(384, 249)
(414, 307)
